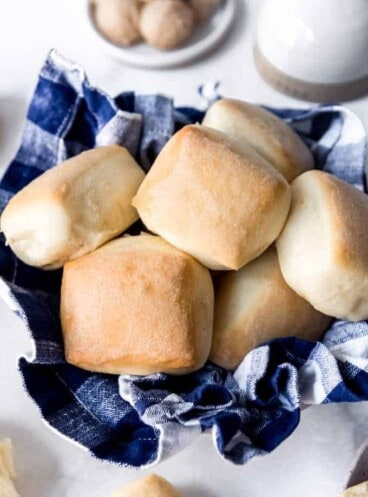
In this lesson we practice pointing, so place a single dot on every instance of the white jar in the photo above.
(314, 49)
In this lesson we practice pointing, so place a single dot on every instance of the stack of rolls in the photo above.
(234, 200)
(163, 24)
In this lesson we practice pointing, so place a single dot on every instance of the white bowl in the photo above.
(314, 49)
(203, 40)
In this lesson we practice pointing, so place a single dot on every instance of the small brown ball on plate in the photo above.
(166, 24)
(203, 9)
(118, 20)
(137, 306)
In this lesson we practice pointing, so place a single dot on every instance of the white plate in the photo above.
(204, 39)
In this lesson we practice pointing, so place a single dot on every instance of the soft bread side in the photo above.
(360, 490)
(254, 305)
(148, 486)
(7, 472)
(323, 248)
(266, 133)
(73, 208)
(219, 202)
(137, 306)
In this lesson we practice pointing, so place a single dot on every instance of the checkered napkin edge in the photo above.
(139, 421)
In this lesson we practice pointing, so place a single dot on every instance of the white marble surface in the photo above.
(315, 459)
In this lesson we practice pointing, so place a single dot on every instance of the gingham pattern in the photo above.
(139, 421)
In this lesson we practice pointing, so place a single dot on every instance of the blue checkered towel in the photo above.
(139, 421)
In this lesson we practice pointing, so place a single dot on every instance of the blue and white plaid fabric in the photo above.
(139, 421)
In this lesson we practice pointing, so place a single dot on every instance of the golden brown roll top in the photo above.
(148, 486)
(73, 208)
(323, 248)
(219, 202)
(137, 306)
(254, 305)
(267, 134)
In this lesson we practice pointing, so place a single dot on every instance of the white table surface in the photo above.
(315, 459)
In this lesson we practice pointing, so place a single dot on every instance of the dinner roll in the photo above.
(7, 473)
(219, 202)
(203, 9)
(73, 208)
(137, 306)
(166, 24)
(254, 305)
(360, 490)
(267, 134)
(148, 486)
(323, 248)
(118, 20)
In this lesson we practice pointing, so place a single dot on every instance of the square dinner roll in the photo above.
(254, 305)
(220, 203)
(323, 248)
(266, 133)
(73, 208)
(148, 486)
(137, 306)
